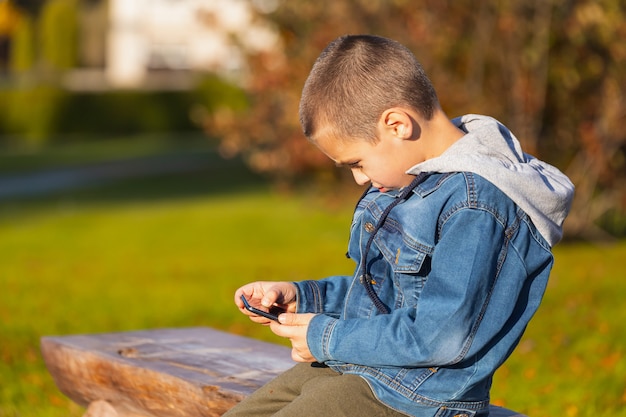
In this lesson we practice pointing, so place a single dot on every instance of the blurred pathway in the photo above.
(53, 180)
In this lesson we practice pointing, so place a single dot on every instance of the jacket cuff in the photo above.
(319, 336)
(309, 297)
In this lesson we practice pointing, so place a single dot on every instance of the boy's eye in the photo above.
(350, 165)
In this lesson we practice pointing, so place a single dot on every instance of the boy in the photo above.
(451, 241)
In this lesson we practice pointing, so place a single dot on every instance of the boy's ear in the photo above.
(397, 122)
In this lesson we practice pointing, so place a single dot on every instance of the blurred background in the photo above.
(151, 161)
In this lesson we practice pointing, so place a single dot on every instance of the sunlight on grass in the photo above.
(106, 268)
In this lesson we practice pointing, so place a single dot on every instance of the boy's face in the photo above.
(383, 164)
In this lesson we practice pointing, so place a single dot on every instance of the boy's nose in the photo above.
(359, 177)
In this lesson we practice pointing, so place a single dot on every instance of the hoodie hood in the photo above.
(490, 150)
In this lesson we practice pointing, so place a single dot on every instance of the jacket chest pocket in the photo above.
(408, 259)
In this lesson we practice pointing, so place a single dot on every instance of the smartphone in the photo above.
(271, 316)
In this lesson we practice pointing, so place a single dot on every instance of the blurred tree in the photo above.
(587, 109)
(552, 70)
(58, 28)
(9, 21)
(45, 42)
(32, 7)
(23, 52)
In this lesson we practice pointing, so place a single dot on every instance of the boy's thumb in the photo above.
(288, 318)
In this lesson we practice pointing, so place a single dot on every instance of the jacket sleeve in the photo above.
(323, 296)
(440, 329)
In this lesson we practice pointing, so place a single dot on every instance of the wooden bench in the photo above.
(188, 372)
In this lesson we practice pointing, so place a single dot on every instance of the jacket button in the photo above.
(369, 227)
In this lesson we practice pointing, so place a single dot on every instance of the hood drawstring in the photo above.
(366, 278)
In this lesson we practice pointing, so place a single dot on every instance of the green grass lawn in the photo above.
(126, 257)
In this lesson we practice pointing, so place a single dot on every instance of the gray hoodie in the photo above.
(490, 150)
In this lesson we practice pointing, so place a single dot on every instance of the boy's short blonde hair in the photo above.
(355, 79)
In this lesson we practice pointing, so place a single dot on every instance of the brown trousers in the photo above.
(312, 391)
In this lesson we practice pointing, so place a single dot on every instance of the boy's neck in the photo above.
(438, 134)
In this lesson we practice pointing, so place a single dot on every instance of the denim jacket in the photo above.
(462, 270)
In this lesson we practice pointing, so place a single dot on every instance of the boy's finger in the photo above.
(270, 298)
(289, 319)
(294, 319)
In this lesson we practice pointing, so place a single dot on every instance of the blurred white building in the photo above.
(161, 43)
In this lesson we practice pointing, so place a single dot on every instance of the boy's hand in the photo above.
(294, 327)
(265, 295)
